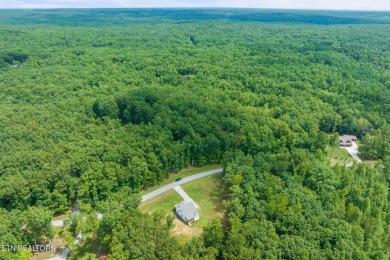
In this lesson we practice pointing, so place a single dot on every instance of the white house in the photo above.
(187, 211)
(346, 140)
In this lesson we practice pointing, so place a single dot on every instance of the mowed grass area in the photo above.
(164, 203)
(61, 216)
(208, 193)
(337, 155)
(183, 173)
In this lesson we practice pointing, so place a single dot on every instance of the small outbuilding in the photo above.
(187, 211)
(346, 140)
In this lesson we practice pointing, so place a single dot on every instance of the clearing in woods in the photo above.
(208, 193)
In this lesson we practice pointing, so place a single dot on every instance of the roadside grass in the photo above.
(61, 216)
(87, 249)
(163, 203)
(172, 177)
(208, 193)
(181, 174)
(337, 155)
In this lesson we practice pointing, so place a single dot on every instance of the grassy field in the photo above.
(208, 193)
(211, 206)
(183, 173)
(337, 155)
(165, 202)
(61, 216)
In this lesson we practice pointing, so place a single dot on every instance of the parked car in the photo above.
(178, 179)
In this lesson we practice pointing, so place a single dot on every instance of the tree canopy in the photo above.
(97, 105)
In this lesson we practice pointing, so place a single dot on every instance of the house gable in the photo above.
(346, 140)
(187, 211)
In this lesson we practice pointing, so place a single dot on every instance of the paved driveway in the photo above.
(169, 186)
(353, 151)
(184, 195)
(146, 197)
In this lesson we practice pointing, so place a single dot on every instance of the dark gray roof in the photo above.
(346, 139)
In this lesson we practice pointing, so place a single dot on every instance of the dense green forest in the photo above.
(98, 104)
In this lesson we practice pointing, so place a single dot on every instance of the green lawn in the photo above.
(183, 173)
(337, 155)
(208, 193)
(61, 216)
(165, 202)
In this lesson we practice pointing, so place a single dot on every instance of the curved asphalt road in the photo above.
(146, 197)
(169, 186)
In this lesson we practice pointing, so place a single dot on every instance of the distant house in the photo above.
(187, 211)
(346, 140)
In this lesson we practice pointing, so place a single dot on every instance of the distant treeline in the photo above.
(89, 17)
(97, 113)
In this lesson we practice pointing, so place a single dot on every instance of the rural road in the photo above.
(146, 197)
(60, 222)
(169, 186)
